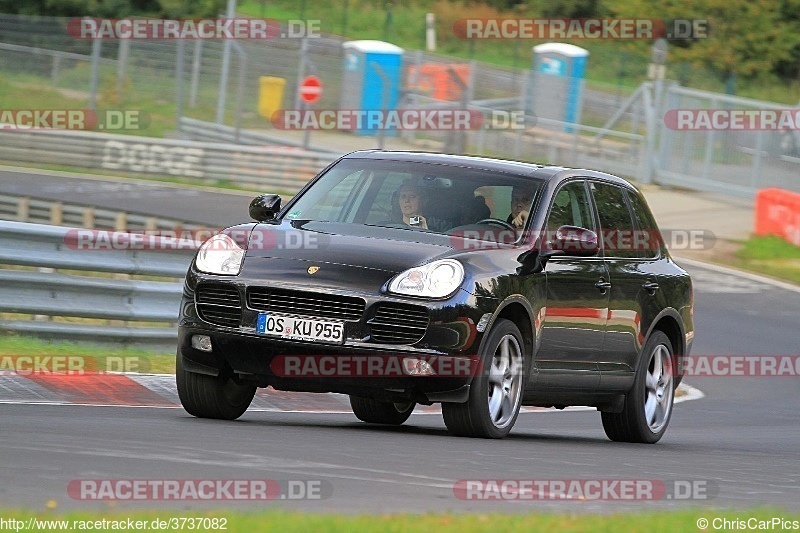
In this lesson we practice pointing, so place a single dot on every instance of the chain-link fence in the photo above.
(137, 72)
(620, 131)
(692, 153)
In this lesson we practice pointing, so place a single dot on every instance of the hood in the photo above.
(389, 250)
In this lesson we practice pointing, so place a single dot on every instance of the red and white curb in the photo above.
(158, 391)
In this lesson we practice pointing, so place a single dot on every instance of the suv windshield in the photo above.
(416, 196)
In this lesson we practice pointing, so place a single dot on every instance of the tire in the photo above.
(375, 412)
(495, 395)
(648, 405)
(218, 397)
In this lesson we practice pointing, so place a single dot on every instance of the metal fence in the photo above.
(729, 161)
(131, 72)
(148, 67)
(620, 132)
(88, 306)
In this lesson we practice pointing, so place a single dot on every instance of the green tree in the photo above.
(749, 39)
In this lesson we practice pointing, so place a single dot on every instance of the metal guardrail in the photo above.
(283, 169)
(201, 130)
(89, 295)
(25, 209)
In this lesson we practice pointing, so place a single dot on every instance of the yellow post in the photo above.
(270, 95)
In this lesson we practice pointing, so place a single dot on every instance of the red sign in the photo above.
(311, 89)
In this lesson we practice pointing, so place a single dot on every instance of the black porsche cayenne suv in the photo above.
(401, 278)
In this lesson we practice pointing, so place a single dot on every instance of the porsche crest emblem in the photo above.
(312, 269)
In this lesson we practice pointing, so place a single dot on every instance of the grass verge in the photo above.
(278, 521)
(770, 255)
(90, 356)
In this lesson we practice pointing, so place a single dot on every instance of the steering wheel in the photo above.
(498, 222)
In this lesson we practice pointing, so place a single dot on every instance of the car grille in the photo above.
(399, 323)
(219, 304)
(319, 305)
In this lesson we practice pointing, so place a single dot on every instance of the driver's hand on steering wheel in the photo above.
(519, 220)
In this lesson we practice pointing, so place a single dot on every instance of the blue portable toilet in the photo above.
(556, 91)
(363, 85)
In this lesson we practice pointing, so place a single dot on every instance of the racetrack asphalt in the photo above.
(741, 441)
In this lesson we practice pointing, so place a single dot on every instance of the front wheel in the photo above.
(219, 397)
(496, 394)
(375, 412)
(648, 405)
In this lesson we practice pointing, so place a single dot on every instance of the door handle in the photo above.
(650, 286)
(603, 285)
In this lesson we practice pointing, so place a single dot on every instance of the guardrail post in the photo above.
(57, 214)
(121, 221)
(23, 209)
(87, 217)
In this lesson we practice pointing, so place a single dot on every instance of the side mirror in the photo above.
(265, 207)
(567, 241)
(572, 241)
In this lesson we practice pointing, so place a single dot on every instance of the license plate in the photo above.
(302, 329)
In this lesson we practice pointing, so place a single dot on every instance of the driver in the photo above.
(521, 199)
(410, 199)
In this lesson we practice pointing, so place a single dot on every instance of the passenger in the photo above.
(521, 200)
(475, 210)
(409, 197)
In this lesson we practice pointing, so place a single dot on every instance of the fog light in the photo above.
(418, 367)
(201, 342)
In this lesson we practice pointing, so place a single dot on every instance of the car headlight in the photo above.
(434, 280)
(220, 255)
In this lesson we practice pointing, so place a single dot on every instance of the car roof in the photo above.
(550, 173)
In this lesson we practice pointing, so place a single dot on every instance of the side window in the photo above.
(647, 241)
(570, 208)
(616, 225)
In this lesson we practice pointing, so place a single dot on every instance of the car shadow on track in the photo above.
(517, 435)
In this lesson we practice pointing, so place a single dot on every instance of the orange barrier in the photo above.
(778, 213)
(437, 81)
